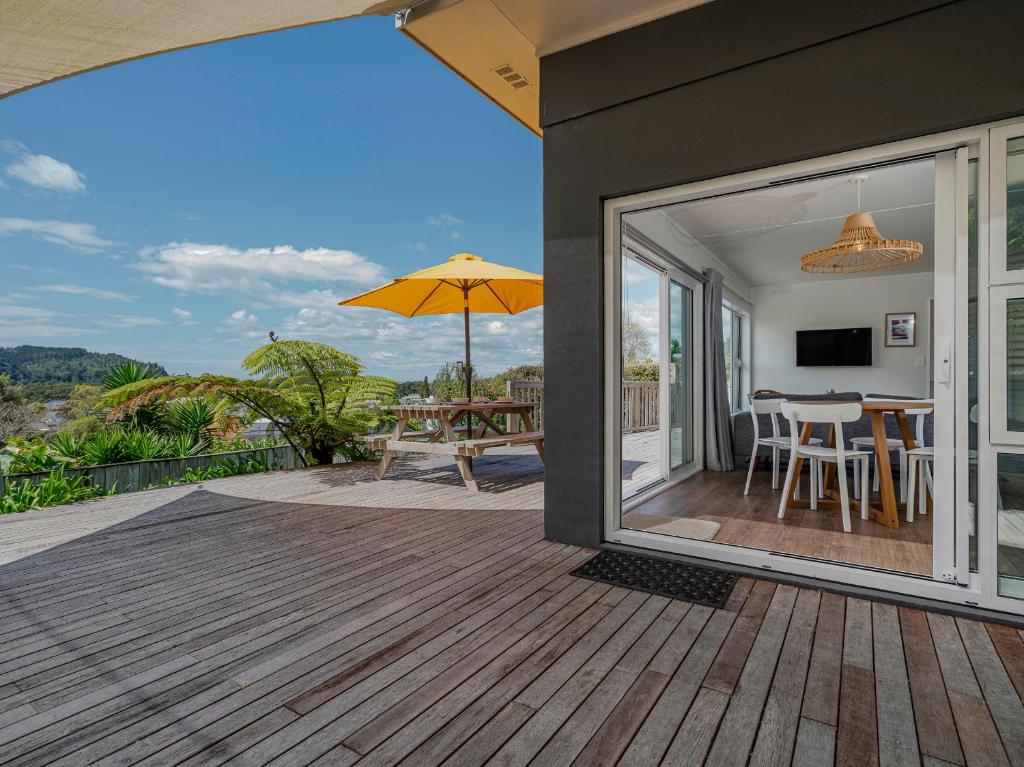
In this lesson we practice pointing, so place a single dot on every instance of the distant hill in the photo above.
(59, 366)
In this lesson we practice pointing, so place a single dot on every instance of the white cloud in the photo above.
(45, 172)
(449, 223)
(243, 324)
(69, 233)
(20, 322)
(83, 290)
(184, 315)
(444, 221)
(130, 321)
(200, 268)
(406, 348)
(241, 317)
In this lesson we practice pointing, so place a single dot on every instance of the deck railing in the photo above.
(130, 476)
(639, 404)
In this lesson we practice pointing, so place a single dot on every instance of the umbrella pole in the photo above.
(468, 365)
(469, 368)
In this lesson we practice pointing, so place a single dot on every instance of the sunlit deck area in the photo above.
(322, 617)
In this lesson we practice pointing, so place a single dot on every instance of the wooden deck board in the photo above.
(322, 617)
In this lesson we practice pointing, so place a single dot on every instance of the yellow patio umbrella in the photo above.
(464, 283)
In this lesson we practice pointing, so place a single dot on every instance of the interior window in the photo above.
(732, 332)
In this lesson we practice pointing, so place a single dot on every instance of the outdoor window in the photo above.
(732, 332)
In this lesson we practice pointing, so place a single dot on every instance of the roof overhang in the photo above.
(496, 45)
(46, 40)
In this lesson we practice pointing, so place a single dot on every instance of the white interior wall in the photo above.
(778, 312)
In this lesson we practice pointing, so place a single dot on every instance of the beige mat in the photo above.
(701, 529)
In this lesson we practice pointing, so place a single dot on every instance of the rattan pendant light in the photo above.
(861, 247)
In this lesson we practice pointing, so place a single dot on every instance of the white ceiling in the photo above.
(762, 234)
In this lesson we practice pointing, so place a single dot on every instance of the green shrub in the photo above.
(223, 467)
(66, 445)
(641, 371)
(241, 443)
(57, 489)
(22, 456)
(82, 427)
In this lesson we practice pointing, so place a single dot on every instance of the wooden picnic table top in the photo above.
(874, 405)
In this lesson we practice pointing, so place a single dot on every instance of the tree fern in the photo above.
(314, 394)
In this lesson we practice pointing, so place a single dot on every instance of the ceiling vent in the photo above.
(511, 76)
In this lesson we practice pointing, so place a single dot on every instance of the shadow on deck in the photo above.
(320, 616)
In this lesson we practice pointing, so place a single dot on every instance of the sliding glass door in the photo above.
(660, 343)
(1001, 467)
(680, 375)
(965, 545)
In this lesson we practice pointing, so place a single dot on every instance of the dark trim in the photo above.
(860, 592)
(702, 42)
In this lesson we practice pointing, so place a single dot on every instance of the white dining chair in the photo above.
(920, 460)
(868, 443)
(836, 415)
(777, 442)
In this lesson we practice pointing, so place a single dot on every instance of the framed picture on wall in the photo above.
(901, 329)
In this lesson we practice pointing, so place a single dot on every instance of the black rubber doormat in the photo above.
(675, 580)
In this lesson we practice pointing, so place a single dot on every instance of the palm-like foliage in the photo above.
(127, 372)
(314, 394)
(193, 418)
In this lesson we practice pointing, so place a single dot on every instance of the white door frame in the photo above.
(669, 271)
(954, 543)
(994, 438)
(696, 288)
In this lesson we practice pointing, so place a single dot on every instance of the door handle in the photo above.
(945, 364)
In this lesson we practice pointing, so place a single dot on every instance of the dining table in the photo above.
(886, 507)
(455, 434)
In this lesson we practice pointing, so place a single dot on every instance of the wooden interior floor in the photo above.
(752, 521)
(321, 617)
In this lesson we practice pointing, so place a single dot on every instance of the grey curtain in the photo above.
(717, 410)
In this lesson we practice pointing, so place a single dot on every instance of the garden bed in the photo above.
(139, 475)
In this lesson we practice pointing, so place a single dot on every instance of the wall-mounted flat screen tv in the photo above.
(842, 347)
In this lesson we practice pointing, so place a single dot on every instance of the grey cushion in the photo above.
(840, 396)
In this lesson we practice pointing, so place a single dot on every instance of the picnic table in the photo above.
(455, 419)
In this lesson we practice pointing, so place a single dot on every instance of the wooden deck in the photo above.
(321, 617)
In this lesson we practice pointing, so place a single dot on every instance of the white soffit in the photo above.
(496, 45)
(46, 40)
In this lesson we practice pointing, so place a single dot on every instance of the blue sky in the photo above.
(177, 208)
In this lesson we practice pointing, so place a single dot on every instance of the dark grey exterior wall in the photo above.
(665, 119)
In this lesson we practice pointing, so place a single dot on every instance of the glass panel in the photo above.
(973, 393)
(1015, 203)
(727, 337)
(1015, 364)
(680, 371)
(1010, 502)
(643, 463)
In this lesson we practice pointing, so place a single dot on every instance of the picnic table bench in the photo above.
(445, 439)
